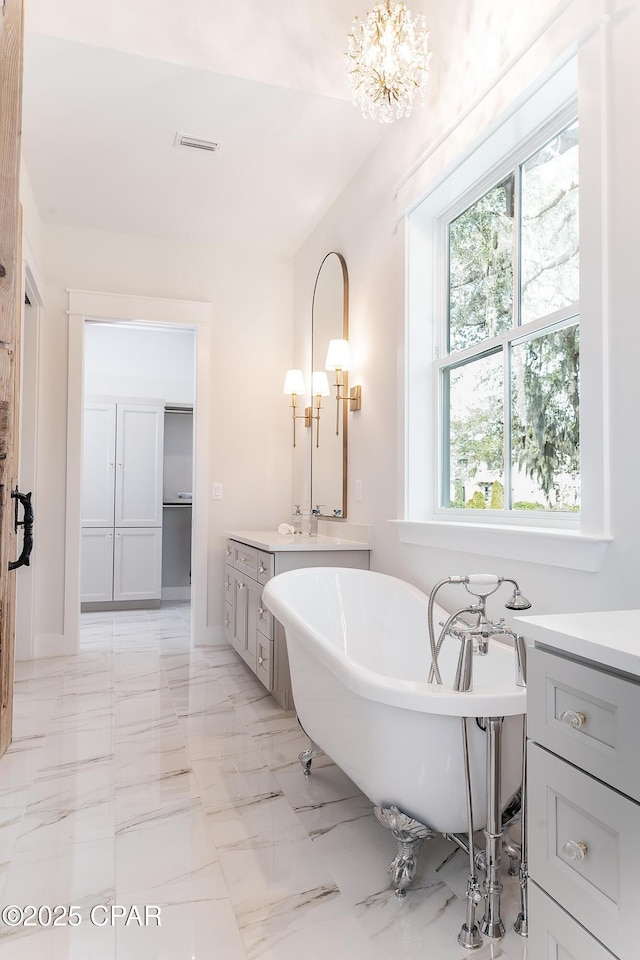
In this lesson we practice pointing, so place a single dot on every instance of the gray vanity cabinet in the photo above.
(250, 628)
(584, 809)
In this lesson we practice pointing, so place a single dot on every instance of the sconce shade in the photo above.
(320, 384)
(294, 382)
(338, 355)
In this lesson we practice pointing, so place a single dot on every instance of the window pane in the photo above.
(550, 227)
(474, 440)
(545, 424)
(481, 268)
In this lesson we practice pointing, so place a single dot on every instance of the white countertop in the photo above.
(611, 638)
(272, 541)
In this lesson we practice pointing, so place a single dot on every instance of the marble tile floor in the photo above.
(144, 772)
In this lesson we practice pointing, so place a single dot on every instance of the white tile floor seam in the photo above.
(144, 772)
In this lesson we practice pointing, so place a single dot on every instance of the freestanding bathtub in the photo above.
(359, 657)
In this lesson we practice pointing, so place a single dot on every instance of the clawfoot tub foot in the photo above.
(307, 756)
(409, 834)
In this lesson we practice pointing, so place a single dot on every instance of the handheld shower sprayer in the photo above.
(516, 601)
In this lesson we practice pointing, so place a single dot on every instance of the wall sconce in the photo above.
(339, 359)
(294, 386)
(319, 389)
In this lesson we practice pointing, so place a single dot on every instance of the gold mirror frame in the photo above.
(319, 343)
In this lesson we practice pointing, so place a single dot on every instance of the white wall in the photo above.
(31, 223)
(473, 43)
(251, 293)
(123, 360)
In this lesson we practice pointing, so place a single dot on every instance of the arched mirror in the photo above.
(330, 321)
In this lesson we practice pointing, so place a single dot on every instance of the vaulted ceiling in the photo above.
(108, 85)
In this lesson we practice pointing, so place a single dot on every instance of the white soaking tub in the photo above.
(359, 655)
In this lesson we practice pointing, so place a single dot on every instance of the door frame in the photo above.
(32, 287)
(111, 307)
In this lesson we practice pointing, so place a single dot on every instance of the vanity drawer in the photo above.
(554, 935)
(265, 618)
(584, 849)
(605, 711)
(265, 566)
(245, 558)
(264, 661)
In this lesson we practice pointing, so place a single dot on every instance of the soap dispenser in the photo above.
(297, 519)
(315, 513)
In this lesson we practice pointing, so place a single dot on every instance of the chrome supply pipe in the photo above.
(469, 935)
(463, 682)
(492, 925)
(479, 855)
(520, 647)
(521, 925)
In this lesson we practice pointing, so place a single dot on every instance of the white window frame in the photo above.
(515, 333)
(577, 541)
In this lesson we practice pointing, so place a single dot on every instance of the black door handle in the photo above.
(27, 528)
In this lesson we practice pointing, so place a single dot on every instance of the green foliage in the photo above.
(546, 420)
(497, 496)
(527, 505)
(481, 268)
(476, 439)
(477, 501)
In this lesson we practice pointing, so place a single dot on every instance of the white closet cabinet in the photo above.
(122, 502)
(139, 451)
(99, 465)
(96, 579)
(137, 563)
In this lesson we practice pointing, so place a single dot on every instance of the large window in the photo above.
(508, 370)
(506, 417)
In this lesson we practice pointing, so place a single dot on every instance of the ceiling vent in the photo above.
(198, 143)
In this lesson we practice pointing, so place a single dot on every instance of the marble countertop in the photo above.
(610, 638)
(272, 541)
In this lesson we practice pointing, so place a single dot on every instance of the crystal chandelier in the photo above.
(388, 61)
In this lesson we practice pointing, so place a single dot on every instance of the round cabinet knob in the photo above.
(260, 660)
(574, 850)
(573, 718)
(260, 611)
(262, 568)
(241, 586)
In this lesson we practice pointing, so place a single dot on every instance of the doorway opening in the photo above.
(137, 316)
(138, 508)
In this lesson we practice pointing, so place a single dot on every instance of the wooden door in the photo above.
(11, 45)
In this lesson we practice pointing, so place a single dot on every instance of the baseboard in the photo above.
(176, 593)
(90, 606)
(53, 645)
